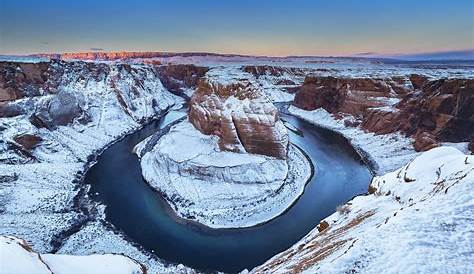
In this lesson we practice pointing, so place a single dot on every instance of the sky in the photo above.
(256, 27)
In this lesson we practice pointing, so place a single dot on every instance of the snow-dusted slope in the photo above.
(16, 256)
(207, 184)
(418, 219)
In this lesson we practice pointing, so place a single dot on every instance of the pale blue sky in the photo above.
(305, 27)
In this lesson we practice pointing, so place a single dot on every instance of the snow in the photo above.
(92, 264)
(266, 84)
(211, 183)
(17, 257)
(419, 220)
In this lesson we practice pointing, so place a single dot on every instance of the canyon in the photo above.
(237, 156)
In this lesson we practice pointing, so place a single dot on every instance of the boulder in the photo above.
(424, 141)
(241, 116)
(58, 110)
(28, 141)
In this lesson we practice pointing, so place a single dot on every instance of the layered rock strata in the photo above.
(432, 111)
(242, 118)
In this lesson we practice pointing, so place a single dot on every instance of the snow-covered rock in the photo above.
(221, 188)
(418, 219)
(16, 256)
(235, 109)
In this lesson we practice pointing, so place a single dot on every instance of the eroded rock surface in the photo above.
(349, 95)
(240, 115)
(181, 78)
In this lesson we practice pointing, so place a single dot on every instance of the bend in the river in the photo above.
(143, 215)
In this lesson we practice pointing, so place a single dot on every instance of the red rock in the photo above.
(28, 141)
(424, 141)
(418, 81)
(348, 95)
(323, 225)
(441, 108)
(176, 77)
(242, 118)
(18, 80)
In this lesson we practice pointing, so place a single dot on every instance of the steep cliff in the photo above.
(238, 113)
(431, 111)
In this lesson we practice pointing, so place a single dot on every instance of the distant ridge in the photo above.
(117, 55)
(459, 55)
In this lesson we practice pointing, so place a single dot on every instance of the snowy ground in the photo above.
(222, 189)
(418, 220)
(269, 85)
(17, 257)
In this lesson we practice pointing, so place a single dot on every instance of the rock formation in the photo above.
(59, 110)
(19, 80)
(241, 116)
(349, 95)
(431, 111)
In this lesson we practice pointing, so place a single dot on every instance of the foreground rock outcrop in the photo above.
(406, 225)
(18, 257)
(239, 114)
(432, 111)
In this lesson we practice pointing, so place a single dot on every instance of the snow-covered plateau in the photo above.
(57, 116)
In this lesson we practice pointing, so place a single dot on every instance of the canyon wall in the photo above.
(431, 111)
